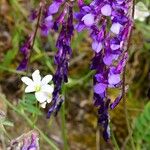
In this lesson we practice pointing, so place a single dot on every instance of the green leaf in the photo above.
(141, 132)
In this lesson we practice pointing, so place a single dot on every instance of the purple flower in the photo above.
(88, 19)
(31, 143)
(47, 20)
(33, 15)
(25, 50)
(61, 60)
(109, 25)
(106, 10)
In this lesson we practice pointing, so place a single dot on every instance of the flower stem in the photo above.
(53, 146)
(114, 140)
(64, 129)
(35, 33)
(126, 112)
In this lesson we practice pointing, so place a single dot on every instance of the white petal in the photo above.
(43, 105)
(36, 76)
(115, 28)
(27, 80)
(49, 98)
(46, 79)
(141, 11)
(41, 96)
(47, 88)
(29, 88)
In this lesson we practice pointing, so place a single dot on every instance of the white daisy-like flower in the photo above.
(141, 11)
(43, 91)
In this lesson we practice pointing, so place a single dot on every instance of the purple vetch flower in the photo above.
(31, 143)
(109, 24)
(86, 17)
(48, 15)
(25, 50)
(33, 15)
(61, 60)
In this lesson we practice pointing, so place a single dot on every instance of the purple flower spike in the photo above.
(23, 64)
(61, 60)
(47, 21)
(31, 143)
(109, 24)
(25, 50)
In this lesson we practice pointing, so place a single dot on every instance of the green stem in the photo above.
(64, 129)
(114, 141)
(12, 70)
(53, 146)
(126, 111)
(73, 82)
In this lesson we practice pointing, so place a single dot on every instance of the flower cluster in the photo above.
(43, 91)
(109, 23)
(61, 60)
(109, 39)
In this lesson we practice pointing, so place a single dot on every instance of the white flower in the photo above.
(43, 91)
(141, 11)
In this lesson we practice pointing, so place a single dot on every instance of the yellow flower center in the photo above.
(37, 88)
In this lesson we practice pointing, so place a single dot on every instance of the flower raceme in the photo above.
(43, 91)
(109, 24)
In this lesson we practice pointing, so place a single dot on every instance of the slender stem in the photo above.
(81, 80)
(12, 70)
(114, 141)
(53, 146)
(98, 137)
(35, 33)
(64, 129)
(125, 110)
(123, 84)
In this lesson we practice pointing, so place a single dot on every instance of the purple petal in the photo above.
(114, 79)
(106, 10)
(100, 88)
(97, 47)
(53, 8)
(108, 59)
(116, 102)
(88, 20)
